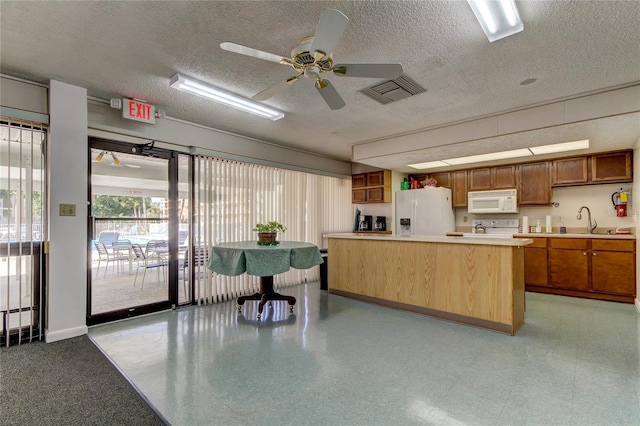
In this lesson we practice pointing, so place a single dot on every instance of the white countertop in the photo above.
(513, 242)
(599, 236)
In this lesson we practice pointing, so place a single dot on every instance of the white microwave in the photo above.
(499, 201)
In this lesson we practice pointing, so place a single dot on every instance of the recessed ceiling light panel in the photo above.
(489, 157)
(428, 165)
(560, 147)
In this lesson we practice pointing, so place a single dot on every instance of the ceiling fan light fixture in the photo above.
(207, 91)
(498, 18)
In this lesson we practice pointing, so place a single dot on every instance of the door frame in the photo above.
(147, 150)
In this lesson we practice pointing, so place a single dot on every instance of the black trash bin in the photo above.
(323, 269)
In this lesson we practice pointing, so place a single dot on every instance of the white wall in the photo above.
(67, 259)
(23, 96)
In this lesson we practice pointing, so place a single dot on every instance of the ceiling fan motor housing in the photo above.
(302, 58)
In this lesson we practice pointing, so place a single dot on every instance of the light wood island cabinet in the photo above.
(478, 282)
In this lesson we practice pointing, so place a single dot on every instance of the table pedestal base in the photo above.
(265, 295)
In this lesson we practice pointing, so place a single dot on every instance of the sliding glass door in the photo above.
(136, 239)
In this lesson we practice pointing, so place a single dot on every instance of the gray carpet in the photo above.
(69, 382)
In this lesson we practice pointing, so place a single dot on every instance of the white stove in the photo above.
(495, 226)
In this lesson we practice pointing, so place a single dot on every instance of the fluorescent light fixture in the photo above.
(489, 157)
(560, 147)
(428, 165)
(215, 94)
(524, 152)
(498, 18)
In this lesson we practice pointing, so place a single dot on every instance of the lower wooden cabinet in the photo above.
(585, 267)
(613, 266)
(535, 263)
(569, 263)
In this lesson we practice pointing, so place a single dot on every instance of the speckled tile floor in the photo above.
(336, 361)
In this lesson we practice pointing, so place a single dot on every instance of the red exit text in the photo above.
(139, 111)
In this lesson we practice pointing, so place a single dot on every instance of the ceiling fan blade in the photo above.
(275, 89)
(330, 27)
(368, 70)
(329, 94)
(248, 51)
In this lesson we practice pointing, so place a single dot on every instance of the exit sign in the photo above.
(138, 111)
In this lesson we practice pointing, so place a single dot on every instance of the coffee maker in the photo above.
(365, 223)
(381, 223)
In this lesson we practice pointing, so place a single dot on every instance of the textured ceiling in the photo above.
(133, 48)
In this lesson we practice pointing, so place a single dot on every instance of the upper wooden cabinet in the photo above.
(611, 167)
(534, 184)
(459, 189)
(359, 181)
(456, 181)
(479, 179)
(374, 187)
(503, 177)
(442, 179)
(570, 171)
(487, 178)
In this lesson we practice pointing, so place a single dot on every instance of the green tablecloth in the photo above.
(247, 256)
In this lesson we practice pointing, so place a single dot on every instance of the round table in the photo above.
(264, 261)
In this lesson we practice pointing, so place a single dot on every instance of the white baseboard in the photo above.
(54, 336)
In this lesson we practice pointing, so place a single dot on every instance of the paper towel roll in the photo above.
(548, 224)
(525, 224)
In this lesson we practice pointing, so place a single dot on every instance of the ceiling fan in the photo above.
(314, 56)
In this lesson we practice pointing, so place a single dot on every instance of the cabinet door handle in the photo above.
(584, 254)
(595, 254)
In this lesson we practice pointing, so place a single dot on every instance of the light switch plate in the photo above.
(67, 209)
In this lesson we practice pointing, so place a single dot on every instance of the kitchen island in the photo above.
(474, 281)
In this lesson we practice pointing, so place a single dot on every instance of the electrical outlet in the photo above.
(464, 219)
(67, 209)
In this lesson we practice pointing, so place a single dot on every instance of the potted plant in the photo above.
(267, 232)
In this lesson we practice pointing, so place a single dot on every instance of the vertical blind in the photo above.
(230, 197)
(22, 228)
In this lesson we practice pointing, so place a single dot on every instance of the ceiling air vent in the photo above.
(394, 90)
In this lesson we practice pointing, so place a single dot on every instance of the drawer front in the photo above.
(569, 243)
(538, 243)
(613, 245)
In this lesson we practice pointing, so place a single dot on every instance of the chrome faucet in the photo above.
(590, 228)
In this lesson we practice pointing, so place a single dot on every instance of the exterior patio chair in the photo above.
(200, 260)
(106, 256)
(146, 262)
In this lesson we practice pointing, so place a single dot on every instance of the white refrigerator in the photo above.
(428, 210)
